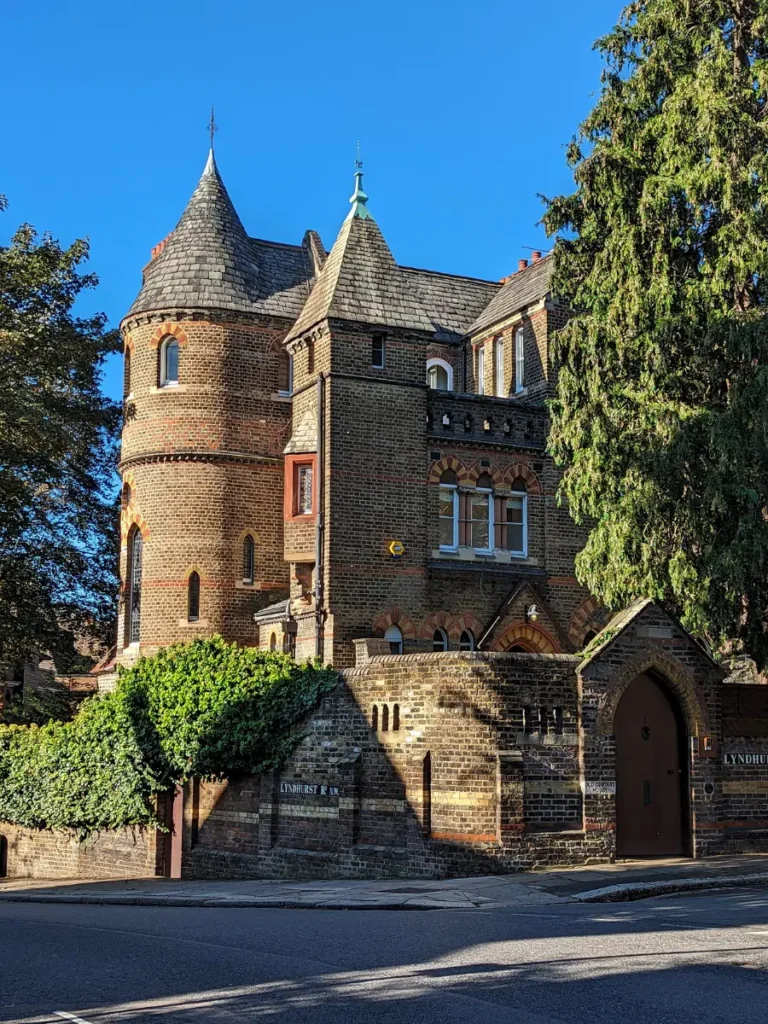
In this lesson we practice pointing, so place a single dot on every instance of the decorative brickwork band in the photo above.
(532, 639)
(164, 330)
(394, 617)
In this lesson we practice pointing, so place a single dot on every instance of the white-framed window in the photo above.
(519, 360)
(498, 358)
(481, 369)
(304, 490)
(378, 351)
(439, 640)
(515, 538)
(439, 375)
(449, 511)
(467, 640)
(394, 637)
(169, 363)
(481, 515)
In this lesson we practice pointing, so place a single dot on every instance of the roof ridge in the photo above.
(446, 273)
(280, 245)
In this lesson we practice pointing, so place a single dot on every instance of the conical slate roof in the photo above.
(208, 260)
(360, 280)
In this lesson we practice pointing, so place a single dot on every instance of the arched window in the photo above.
(439, 375)
(273, 642)
(394, 636)
(135, 555)
(375, 718)
(543, 721)
(310, 357)
(193, 597)
(439, 640)
(449, 511)
(248, 559)
(169, 363)
(396, 718)
(515, 539)
(481, 514)
(559, 721)
(519, 360)
(127, 373)
(385, 718)
(285, 373)
(467, 640)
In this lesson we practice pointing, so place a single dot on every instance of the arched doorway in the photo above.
(651, 772)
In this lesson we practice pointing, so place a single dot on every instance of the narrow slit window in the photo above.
(169, 363)
(304, 490)
(558, 721)
(498, 352)
(248, 559)
(527, 719)
(375, 718)
(377, 351)
(396, 718)
(543, 721)
(385, 718)
(284, 373)
(193, 597)
(449, 511)
(135, 558)
(516, 526)
(481, 370)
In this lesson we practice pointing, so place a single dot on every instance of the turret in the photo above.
(207, 411)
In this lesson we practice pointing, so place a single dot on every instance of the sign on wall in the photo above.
(600, 788)
(745, 759)
(308, 789)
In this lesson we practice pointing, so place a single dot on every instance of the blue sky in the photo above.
(463, 110)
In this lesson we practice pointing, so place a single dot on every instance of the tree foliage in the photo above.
(206, 708)
(58, 435)
(661, 415)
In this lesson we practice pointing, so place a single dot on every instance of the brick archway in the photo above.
(533, 639)
(449, 462)
(525, 473)
(437, 620)
(394, 617)
(582, 619)
(169, 330)
(673, 673)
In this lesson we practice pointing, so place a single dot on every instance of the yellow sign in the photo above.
(396, 548)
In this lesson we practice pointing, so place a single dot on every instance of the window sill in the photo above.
(242, 585)
(282, 396)
(168, 389)
(199, 624)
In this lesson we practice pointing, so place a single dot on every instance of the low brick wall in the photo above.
(130, 853)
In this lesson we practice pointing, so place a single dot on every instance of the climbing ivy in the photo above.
(206, 708)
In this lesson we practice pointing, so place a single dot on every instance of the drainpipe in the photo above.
(320, 520)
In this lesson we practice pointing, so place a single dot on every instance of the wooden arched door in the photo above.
(651, 772)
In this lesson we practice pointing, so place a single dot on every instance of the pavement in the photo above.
(622, 881)
(701, 956)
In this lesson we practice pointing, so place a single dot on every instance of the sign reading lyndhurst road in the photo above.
(308, 789)
(731, 759)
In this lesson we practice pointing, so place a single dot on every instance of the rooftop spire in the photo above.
(212, 127)
(358, 197)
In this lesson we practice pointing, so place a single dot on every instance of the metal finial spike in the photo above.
(358, 161)
(212, 127)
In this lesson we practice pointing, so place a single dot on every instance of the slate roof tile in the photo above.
(523, 288)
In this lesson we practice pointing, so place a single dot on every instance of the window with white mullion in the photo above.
(516, 527)
(519, 360)
(449, 517)
(498, 352)
(481, 520)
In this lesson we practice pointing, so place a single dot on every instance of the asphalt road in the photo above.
(678, 959)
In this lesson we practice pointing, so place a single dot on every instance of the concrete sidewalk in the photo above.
(600, 883)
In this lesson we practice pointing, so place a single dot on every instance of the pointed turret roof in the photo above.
(208, 259)
(360, 280)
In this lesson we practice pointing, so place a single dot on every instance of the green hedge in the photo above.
(206, 708)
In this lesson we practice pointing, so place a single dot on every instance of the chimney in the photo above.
(535, 256)
(157, 249)
(521, 265)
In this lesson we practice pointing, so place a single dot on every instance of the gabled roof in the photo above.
(522, 289)
(621, 621)
(360, 280)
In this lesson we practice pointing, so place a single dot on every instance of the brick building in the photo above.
(335, 455)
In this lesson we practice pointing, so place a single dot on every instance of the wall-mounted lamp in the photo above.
(532, 613)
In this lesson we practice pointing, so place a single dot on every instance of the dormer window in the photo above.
(439, 375)
(169, 363)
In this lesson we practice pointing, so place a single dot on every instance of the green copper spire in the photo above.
(358, 197)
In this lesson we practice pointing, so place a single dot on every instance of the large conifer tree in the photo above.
(661, 414)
